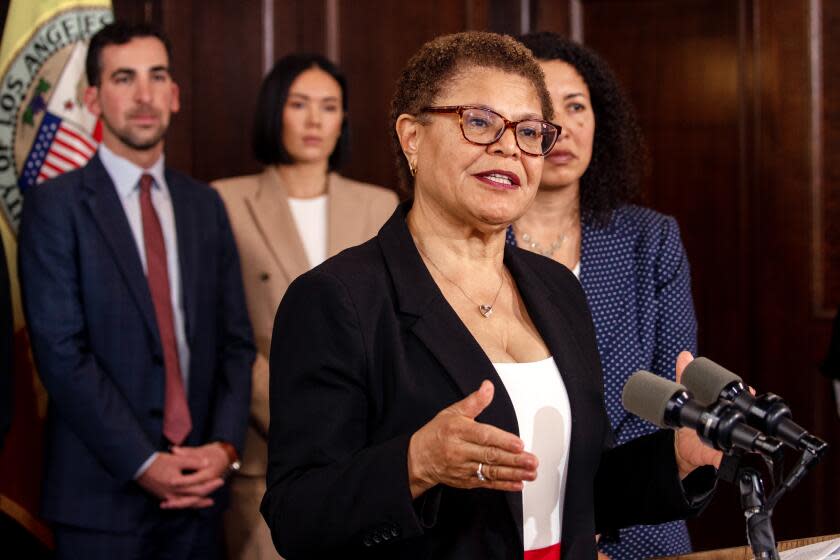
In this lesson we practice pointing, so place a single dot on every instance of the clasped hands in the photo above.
(450, 447)
(187, 476)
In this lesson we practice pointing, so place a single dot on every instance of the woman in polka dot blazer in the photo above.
(630, 260)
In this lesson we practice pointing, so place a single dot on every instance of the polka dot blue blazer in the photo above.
(635, 274)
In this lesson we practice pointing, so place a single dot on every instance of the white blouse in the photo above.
(545, 425)
(311, 220)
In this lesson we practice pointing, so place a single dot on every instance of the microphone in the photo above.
(670, 405)
(711, 383)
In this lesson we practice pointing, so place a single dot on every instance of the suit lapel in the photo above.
(345, 216)
(440, 329)
(187, 229)
(107, 211)
(597, 275)
(270, 211)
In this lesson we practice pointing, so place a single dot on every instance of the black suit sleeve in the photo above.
(831, 366)
(328, 485)
(6, 348)
(638, 483)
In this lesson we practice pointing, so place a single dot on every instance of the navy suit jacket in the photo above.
(97, 347)
(6, 348)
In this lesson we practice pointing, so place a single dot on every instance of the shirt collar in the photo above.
(126, 175)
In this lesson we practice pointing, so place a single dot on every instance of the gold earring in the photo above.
(412, 166)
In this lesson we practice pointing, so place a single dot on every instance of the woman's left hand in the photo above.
(691, 452)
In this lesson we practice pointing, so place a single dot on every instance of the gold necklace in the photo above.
(483, 308)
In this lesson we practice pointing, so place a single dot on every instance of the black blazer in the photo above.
(97, 347)
(366, 350)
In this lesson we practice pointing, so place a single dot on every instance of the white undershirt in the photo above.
(311, 219)
(545, 425)
(576, 270)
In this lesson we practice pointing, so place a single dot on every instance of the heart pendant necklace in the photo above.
(485, 309)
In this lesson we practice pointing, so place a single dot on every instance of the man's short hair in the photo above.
(118, 33)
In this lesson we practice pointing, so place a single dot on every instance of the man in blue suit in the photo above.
(133, 297)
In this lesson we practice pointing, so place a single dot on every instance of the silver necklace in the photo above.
(537, 248)
(483, 308)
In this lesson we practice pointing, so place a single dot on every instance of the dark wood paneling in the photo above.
(827, 210)
(792, 340)
(181, 140)
(552, 15)
(300, 25)
(377, 38)
(224, 59)
(506, 16)
(225, 116)
(136, 10)
(722, 91)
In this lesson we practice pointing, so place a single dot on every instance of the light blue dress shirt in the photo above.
(126, 177)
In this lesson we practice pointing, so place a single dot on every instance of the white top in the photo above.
(311, 219)
(545, 425)
(576, 270)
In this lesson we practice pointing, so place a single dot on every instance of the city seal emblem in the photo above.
(45, 129)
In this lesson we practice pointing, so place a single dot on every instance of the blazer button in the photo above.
(264, 276)
(377, 539)
(366, 541)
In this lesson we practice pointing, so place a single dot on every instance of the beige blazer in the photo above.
(271, 255)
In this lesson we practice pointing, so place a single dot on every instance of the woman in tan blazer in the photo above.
(286, 220)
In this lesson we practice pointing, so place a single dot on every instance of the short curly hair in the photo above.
(432, 68)
(619, 155)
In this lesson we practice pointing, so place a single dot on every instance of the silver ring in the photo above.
(479, 474)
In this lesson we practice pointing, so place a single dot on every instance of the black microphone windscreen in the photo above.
(646, 395)
(706, 379)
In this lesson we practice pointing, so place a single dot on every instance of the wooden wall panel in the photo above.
(377, 38)
(792, 340)
(224, 56)
(300, 26)
(553, 15)
(723, 91)
(827, 210)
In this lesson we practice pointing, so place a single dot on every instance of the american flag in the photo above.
(59, 147)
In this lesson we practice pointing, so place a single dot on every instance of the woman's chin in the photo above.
(498, 218)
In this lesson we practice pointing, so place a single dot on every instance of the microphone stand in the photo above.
(759, 518)
(758, 511)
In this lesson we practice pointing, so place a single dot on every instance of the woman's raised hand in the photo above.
(452, 447)
(691, 452)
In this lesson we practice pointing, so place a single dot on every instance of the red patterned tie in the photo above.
(176, 413)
